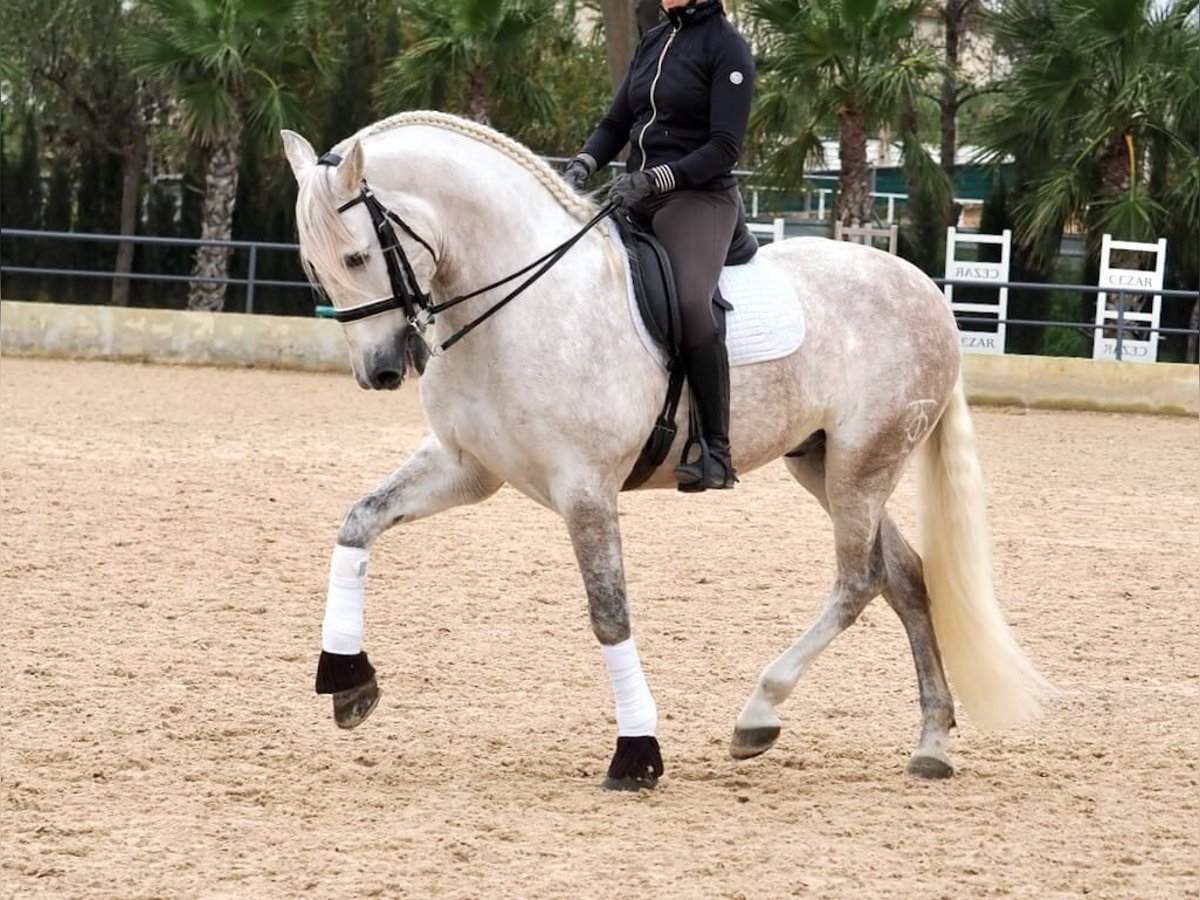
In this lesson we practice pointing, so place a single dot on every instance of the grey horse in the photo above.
(556, 395)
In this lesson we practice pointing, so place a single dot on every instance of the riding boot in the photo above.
(707, 369)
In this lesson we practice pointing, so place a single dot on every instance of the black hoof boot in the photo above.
(636, 766)
(351, 680)
(712, 469)
(351, 708)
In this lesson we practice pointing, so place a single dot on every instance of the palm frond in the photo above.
(922, 169)
(884, 88)
(1050, 202)
(1128, 215)
(10, 71)
(208, 110)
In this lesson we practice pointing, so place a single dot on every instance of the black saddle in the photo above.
(658, 303)
(654, 280)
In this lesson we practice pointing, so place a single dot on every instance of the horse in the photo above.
(555, 395)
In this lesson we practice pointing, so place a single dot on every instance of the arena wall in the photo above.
(232, 339)
(170, 336)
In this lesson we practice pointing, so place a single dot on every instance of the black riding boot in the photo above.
(707, 462)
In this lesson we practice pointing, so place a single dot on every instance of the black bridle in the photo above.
(419, 308)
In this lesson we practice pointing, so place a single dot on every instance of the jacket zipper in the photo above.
(653, 105)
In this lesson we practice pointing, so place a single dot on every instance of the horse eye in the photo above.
(356, 260)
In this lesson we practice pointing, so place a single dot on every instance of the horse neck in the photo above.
(493, 217)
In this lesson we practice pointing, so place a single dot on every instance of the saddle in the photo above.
(658, 303)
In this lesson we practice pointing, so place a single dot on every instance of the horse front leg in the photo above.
(432, 480)
(596, 537)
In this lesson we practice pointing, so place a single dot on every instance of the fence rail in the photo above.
(808, 190)
(250, 282)
(1120, 325)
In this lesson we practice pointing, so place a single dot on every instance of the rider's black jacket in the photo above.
(685, 102)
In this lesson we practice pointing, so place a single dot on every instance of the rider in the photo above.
(683, 109)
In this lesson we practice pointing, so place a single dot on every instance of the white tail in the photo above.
(994, 679)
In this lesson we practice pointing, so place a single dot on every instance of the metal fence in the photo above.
(808, 201)
(1124, 329)
(250, 281)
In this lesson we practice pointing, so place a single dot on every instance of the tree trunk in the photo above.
(620, 37)
(1116, 169)
(954, 18)
(1193, 343)
(133, 158)
(854, 205)
(478, 106)
(1115, 164)
(909, 128)
(220, 198)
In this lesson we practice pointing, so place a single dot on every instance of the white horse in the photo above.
(556, 394)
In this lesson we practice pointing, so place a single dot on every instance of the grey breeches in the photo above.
(695, 228)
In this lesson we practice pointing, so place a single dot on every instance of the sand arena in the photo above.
(165, 537)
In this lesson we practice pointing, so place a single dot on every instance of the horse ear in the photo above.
(350, 171)
(300, 153)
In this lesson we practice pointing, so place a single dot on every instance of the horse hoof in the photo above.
(629, 783)
(351, 707)
(750, 742)
(929, 766)
(636, 765)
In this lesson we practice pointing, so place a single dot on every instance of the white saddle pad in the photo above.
(766, 322)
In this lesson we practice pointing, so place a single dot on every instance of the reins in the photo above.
(419, 308)
(549, 259)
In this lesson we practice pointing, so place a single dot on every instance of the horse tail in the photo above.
(996, 682)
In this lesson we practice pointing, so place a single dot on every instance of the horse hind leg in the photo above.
(893, 568)
(906, 594)
(860, 578)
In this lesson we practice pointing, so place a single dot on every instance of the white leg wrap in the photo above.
(637, 715)
(342, 630)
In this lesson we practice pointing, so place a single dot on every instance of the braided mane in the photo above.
(578, 206)
(323, 231)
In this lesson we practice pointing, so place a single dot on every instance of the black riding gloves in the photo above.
(628, 190)
(579, 170)
(631, 189)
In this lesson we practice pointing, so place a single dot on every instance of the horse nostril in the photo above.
(386, 379)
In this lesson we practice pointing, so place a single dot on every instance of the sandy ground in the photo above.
(165, 539)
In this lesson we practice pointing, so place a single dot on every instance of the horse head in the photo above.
(338, 219)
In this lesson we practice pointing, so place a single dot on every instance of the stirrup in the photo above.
(711, 469)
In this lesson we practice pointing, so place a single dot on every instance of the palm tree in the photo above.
(959, 19)
(230, 65)
(464, 54)
(620, 36)
(849, 62)
(1101, 115)
(73, 48)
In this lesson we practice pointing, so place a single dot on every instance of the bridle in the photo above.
(418, 306)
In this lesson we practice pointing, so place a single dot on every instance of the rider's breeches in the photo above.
(695, 227)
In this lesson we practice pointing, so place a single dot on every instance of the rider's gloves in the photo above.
(579, 170)
(632, 188)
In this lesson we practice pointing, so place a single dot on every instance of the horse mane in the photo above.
(578, 206)
(323, 230)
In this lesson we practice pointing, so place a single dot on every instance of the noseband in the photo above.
(406, 293)
(419, 308)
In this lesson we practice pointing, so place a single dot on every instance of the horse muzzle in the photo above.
(384, 368)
